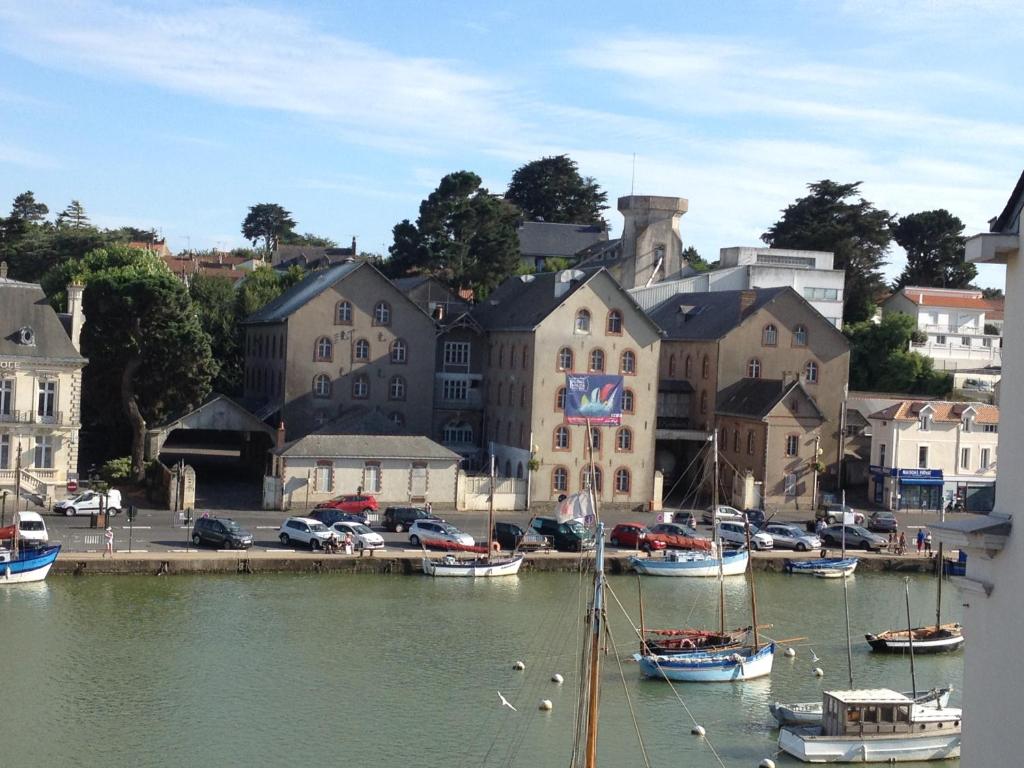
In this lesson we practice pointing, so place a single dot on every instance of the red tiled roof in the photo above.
(909, 410)
(926, 297)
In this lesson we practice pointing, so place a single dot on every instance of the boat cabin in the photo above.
(880, 711)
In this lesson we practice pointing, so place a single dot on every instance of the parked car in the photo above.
(634, 535)
(721, 512)
(512, 536)
(684, 517)
(88, 503)
(857, 537)
(732, 532)
(675, 529)
(756, 517)
(400, 519)
(834, 513)
(433, 529)
(32, 528)
(304, 530)
(362, 536)
(567, 537)
(329, 516)
(786, 536)
(679, 536)
(220, 532)
(363, 503)
(882, 522)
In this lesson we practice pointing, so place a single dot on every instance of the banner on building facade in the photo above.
(596, 398)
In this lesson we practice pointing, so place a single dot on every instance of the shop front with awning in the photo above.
(897, 488)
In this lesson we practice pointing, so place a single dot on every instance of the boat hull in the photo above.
(709, 667)
(472, 568)
(948, 639)
(29, 565)
(692, 564)
(824, 568)
(808, 745)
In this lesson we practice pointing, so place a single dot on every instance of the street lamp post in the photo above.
(3, 507)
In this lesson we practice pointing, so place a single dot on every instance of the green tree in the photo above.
(262, 286)
(881, 360)
(268, 222)
(553, 190)
(73, 216)
(694, 260)
(217, 306)
(26, 209)
(464, 236)
(854, 230)
(934, 243)
(38, 248)
(992, 293)
(307, 238)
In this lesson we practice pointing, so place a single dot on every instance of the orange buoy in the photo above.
(495, 546)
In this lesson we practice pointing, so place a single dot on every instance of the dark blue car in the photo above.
(329, 516)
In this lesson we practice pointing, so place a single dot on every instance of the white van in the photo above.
(32, 528)
(88, 502)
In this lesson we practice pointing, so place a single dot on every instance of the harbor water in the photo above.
(335, 670)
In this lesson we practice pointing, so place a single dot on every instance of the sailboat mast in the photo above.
(717, 539)
(753, 592)
(849, 643)
(490, 514)
(596, 628)
(938, 599)
(910, 639)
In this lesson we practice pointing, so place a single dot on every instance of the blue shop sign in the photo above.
(920, 476)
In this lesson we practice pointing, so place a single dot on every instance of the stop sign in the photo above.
(72, 486)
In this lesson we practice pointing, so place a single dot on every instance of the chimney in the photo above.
(279, 437)
(354, 251)
(77, 315)
(747, 299)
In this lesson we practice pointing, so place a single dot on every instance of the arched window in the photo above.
(770, 336)
(705, 368)
(382, 313)
(628, 364)
(496, 435)
(811, 372)
(322, 385)
(522, 396)
(614, 326)
(624, 440)
(800, 336)
(583, 321)
(597, 360)
(560, 399)
(360, 387)
(627, 401)
(501, 356)
(508, 433)
(457, 433)
(565, 359)
(672, 366)
(324, 350)
(595, 480)
(396, 388)
(560, 441)
(595, 438)
(560, 480)
(622, 480)
(519, 471)
(396, 418)
(754, 368)
(704, 402)
(688, 367)
(399, 351)
(343, 313)
(750, 442)
(512, 356)
(508, 467)
(501, 391)
(362, 350)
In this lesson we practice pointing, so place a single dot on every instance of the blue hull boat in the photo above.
(824, 567)
(688, 563)
(710, 667)
(27, 565)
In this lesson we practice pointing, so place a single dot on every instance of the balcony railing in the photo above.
(956, 330)
(473, 401)
(32, 417)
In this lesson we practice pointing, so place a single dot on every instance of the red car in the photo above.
(357, 503)
(634, 535)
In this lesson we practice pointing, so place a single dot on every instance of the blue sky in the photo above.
(179, 115)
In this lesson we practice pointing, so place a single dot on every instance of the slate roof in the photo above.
(707, 316)
(301, 293)
(755, 398)
(1007, 221)
(317, 445)
(287, 255)
(910, 410)
(24, 305)
(542, 238)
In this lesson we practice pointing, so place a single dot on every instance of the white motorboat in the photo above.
(875, 726)
(481, 567)
(809, 712)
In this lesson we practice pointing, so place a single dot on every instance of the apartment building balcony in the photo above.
(955, 330)
(952, 355)
(57, 418)
(458, 391)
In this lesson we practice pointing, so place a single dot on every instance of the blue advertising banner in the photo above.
(920, 476)
(593, 397)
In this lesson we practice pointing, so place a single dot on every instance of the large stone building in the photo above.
(343, 339)
(540, 327)
(40, 389)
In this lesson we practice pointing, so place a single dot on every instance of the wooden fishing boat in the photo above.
(809, 712)
(693, 564)
(667, 641)
(824, 567)
(730, 665)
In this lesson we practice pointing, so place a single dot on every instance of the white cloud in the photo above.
(14, 155)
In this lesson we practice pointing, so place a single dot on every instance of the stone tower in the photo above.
(651, 245)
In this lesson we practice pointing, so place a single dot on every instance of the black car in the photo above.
(755, 517)
(566, 537)
(398, 519)
(329, 516)
(882, 522)
(512, 536)
(220, 532)
(856, 538)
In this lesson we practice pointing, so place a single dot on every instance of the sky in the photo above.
(179, 115)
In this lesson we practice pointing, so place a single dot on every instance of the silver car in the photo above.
(792, 537)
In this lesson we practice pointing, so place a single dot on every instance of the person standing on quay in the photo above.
(108, 535)
(920, 540)
(901, 545)
(928, 543)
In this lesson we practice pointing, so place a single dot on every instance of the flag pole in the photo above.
(592, 473)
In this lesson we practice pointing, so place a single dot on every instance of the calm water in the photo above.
(390, 671)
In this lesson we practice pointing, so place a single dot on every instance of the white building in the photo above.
(954, 322)
(809, 273)
(924, 454)
(993, 590)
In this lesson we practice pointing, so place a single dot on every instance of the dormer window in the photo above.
(26, 336)
(924, 421)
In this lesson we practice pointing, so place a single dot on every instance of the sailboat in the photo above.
(938, 638)
(25, 564)
(486, 565)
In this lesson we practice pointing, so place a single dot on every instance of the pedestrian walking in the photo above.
(901, 545)
(891, 548)
(348, 543)
(429, 508)
(108, 536)
(928, 544)
(920, 540)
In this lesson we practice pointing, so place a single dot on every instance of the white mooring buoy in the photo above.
(766, 763)
(818, 672)
(697, 730)
(546, 705)
(557, 678)
(791, 652)
(519, 666)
